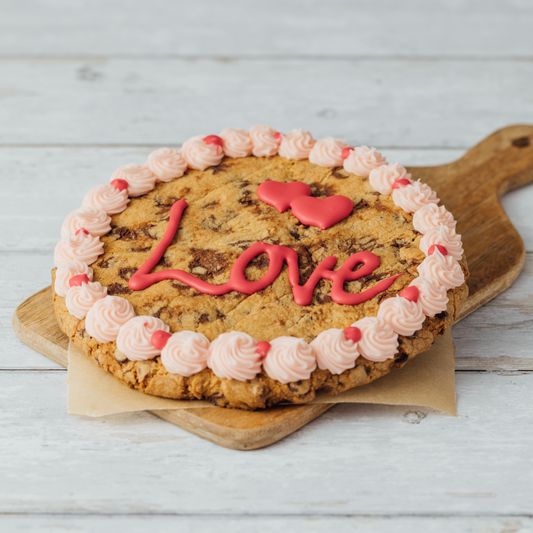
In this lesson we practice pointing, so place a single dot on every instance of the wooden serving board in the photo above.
(470, 188)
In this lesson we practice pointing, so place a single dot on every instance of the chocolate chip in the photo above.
(126, 273)
(218, 400)
(361, 204)
(125, 234)
(442, 315)
(220, 168)
(117, 288)
(145, 230)
(336, 173)
(213, 262)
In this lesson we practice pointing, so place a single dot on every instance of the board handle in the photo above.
(471, 188)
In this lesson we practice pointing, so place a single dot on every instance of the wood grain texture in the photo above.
(308, 28)
(508, 166)
(394, 103)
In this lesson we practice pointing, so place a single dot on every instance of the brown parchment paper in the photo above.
(428, 380)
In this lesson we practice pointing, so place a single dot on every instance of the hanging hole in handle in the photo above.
(521, 142)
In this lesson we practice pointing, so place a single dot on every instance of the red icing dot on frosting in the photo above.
(80, 230)
(213, 139)
(410, 293)
(278, 136)
(346, 152)
(159, 339)
(438, 247)
(400, 183)
(121, 185)
(76, 281)
(352, 334)
(262, 348)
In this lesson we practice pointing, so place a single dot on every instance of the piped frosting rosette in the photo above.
(443, 236)
(134, 338)
(66, 272)
(413, 196)
(265, 140)
(405, 317)
(432, 296)
(296, 145)
(200, 154)
(140, 179)
(443, 269)
(327, 152)
(95, 221)
(81, 298)
(79, 246)
(107, 316)
(185, 353)
(106, 198)
(234, 355)
(379, 341)
(289, 359)
(237, 143)
(166, 164)
(334, 351)
(432, 216)
(362, 160)
(383, 177)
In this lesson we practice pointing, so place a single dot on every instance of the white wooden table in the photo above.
(88, 86)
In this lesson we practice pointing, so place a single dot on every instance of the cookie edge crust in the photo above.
(151, 377)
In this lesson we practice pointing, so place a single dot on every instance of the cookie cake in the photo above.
(254, 267)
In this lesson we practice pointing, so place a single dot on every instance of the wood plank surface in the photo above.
(354, 460)
(388, 103)
(437, 76)
(276, 28)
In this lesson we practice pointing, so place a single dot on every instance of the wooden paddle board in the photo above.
(469, 187)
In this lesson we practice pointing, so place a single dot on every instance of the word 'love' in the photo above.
(303, 294)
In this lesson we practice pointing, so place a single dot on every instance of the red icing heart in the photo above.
(441, 249)
(410, 293)
(352, 334)
(262, 348)
(281, 195)
(321, 212)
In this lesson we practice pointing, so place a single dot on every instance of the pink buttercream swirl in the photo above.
(296, 145)
(107, 198)
(334, 352)
(362, 160)
(404, 317)
(431, 216)
(95, 221)
(327, 152)
(264, 140)
(107, 316)
(378, 340)
(432, 297)
(237, 143)
(383, 177)
(140, 179)
(81, 298)
(81, 247)
(289, 359)
(134, 338)
(185, 353)
(67, 271)
(233, 356)
(444, 236)
(443, 269)
(200, 155)
(166, 164)
(414, 196)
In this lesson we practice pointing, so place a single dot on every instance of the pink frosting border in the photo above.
(264, 135)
